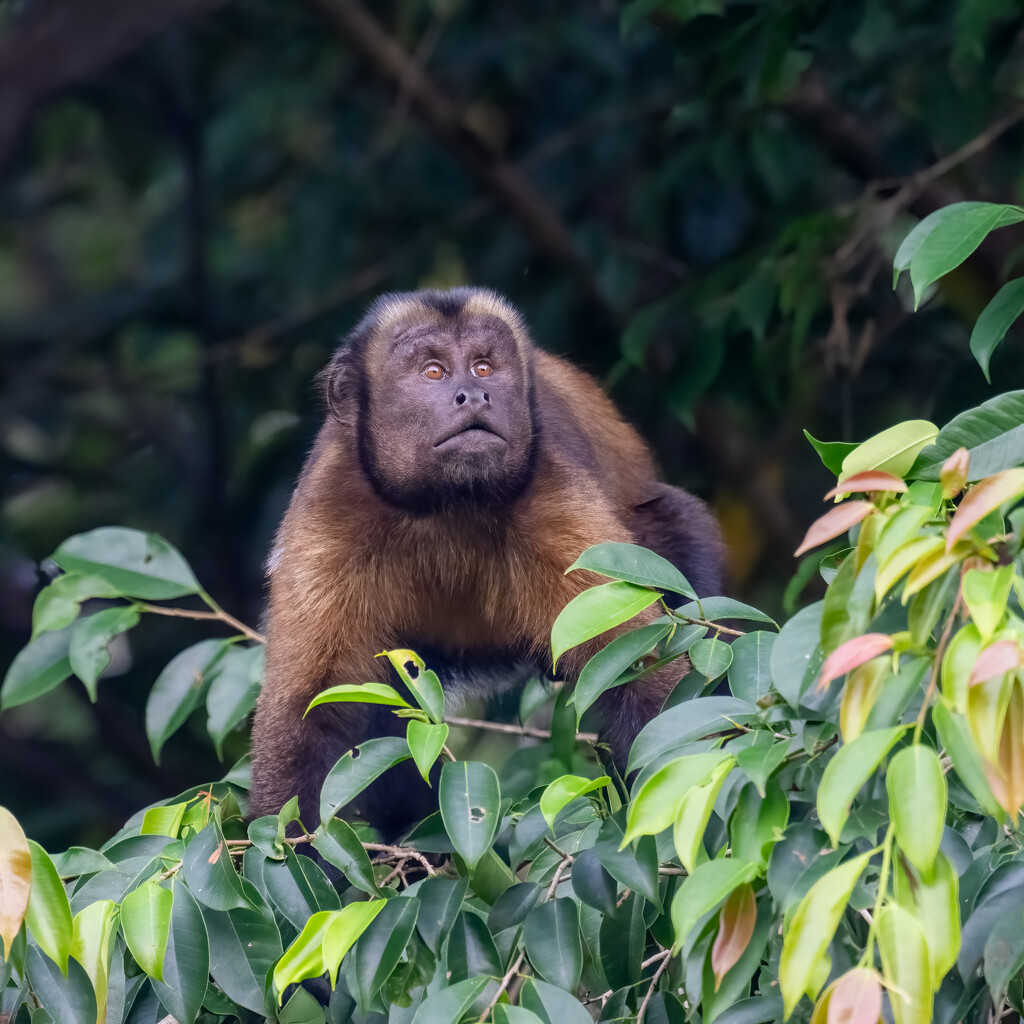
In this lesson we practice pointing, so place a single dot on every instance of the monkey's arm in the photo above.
(679, 527)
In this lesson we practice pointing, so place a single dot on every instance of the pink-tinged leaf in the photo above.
(15, 878)
(998, 658)
(869, 480)
(986, 496)
(856, 998)
(835, 522)
(853, 653)
(953, 475)
(735, 927)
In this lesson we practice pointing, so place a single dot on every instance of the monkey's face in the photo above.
(447, 417)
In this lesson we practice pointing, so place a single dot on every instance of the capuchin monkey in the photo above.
(459, 472)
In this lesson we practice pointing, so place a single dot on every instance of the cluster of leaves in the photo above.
(822, 819)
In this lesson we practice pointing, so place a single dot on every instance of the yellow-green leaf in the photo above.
(48, 914)
(933, 898)
(810, 928)
(902, 560)
(146, 923)
(906, 964)
(917, 803)
(852, 766)
(893, 450)
(564, 790)
(343, 931)
(985, 594)
(694, 812)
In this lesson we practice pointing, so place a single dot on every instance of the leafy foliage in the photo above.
(823, 820)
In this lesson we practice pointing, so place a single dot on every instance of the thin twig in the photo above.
(709, 625)
(221, 616)
(665, 956)
(516, 730)
(402, 853)
(517, 965)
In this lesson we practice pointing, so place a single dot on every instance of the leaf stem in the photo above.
(217, 615)
(940, 650)
(868, 959)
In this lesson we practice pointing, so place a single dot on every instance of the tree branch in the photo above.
(446, 121)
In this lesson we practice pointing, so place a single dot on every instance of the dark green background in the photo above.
(696, 200)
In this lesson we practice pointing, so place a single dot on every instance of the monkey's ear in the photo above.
(339, 386)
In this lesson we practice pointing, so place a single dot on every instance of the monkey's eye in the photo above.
(434, 371)
(482, 368)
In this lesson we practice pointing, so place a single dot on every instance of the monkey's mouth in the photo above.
(474, 431)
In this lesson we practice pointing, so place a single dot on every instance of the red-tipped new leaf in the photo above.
(998, 658)
(736, 922)
(834, 523)
(853, 653)
(984, 497)
(863, 483)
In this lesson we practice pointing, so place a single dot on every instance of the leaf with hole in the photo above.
(137, 564)
(470, 801)
(355, 771)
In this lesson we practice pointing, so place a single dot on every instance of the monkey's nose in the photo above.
(475, 396)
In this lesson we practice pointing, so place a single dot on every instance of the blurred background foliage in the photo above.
(696, 200)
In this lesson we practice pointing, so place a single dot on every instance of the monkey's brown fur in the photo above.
(353, 575)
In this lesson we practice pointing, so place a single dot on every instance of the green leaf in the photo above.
(138, 564)
(15, 879)
(796, 656)
(304, 958)
(552, 938)
(810, 928)
(757, 823)
(146, 923)
(357, 769)
(179, 690)
(711, 657)
(655, 805)
(346, 928)
(237, 679)
(87, 653)
(691, 720)
(893, 450)
(58, 604)
(298, 887)
(551, 1004)
(48, 914)
(831, 453)
(39, 667)
(995, 320)
(985, 593)
(636, 867)
(955, 737)
(94, 928)
(750, 674)
(714, 609)
(470, 802)
(1004, 955)
(992, 433)
(912, 243)
(65, 999)
(209, 873)
(633, 564)
(852, 766)
(187, 959)
(244, 945)
(471, 950)
(423, 684)
(514, 1015)
(607, 668)
(564, 790)
(426, 741)
(163, 821)
(450, 1005)
(934, 899)
(906, 964)
(595, 611)
(953, 238)
(440, 902)
(917, 803)
(338, 844)
(363, 693)
(703, 890)
(382, 944)
(693, 813)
